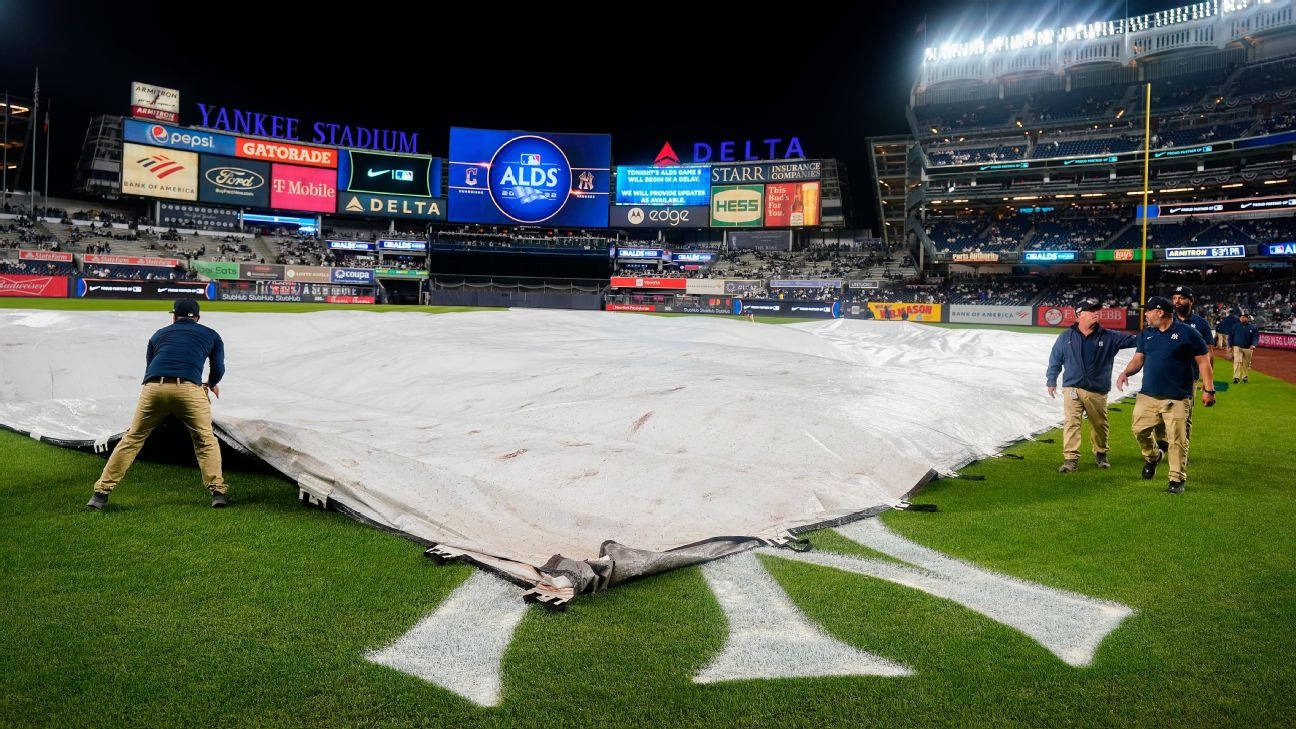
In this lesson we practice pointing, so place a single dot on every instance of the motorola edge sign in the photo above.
(659, 216)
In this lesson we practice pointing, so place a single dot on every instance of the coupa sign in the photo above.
(286, 127)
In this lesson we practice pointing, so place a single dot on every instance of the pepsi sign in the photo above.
(526, 178)
(163, 135)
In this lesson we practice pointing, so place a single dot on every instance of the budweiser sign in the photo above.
(23, 285)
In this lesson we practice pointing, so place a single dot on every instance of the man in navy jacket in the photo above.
(1245, 337)
(1225, 327)
(1086, 351)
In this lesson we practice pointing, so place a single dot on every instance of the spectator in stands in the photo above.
(1086, 352)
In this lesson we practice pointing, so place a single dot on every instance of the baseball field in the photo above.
(162, 612)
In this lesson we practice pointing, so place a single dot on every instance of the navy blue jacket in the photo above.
(1095, 376)
(180, 350)
(1226, 324)
(1245, 335)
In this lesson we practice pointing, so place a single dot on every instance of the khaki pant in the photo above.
(1155, 419)
(1221, 340)
(1076, 403)
(189, 403)
(1242, 362)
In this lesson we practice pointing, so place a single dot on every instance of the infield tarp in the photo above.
(568, 450)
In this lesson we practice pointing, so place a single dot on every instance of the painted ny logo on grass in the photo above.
(459, 646)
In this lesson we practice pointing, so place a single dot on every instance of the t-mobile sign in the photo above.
(303, 188)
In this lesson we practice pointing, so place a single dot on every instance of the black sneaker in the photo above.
(1244, 380)
(1164, 446)
(1149, 467)
(1176, 487)
(1068, 466)
(97, 501)
(219, 501)
(1235, 380)
(1101, 460)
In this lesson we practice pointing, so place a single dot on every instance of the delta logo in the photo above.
(160, 165)
(666, 157)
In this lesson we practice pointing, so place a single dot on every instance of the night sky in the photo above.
(831, 77)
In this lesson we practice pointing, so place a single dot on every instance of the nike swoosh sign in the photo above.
(379, 172)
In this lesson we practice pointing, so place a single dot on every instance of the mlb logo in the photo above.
(530, 159)
(403, 175)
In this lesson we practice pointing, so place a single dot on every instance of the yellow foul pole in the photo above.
(1147, 153)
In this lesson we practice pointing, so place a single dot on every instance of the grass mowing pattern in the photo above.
(163, 612)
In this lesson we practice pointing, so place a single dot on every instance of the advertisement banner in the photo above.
(391, 206)
(359, 276)
(399, 273)
(865, 285)
(625, 282)
(296, 154)
(382, 173)
(1205, 252)
(130, 261)
(1278, 249)
(792, 204)
(312, 274)
(972, 314)
(16, 284)
(1271, 340)
(44, 256)
(1240, 205)
(806, 283)
(303, 188)
(743, 287)
(773, 307)
(234, 181)
(1064, 316)
(94, 288)
(978, 257)
(734, 206)
(215, 269)
(1048, 256)
(188, 215)
(643, 216)
(759, 240)
(674, 185)
(529, 178)
(188, 140)
(349, 245)
(155, 102)
(1122, 254)
(709, 305)
(629, 307)
(693, 257)
(261, 272)
(640, 253)
(705, 286)
(901, 311)
(763, 172)
(154, 172)
(405, 246)
(349, 299)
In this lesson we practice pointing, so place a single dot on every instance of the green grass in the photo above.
(162, 612)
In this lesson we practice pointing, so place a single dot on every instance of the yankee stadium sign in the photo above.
(256, 123)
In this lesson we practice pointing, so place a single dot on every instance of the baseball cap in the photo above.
(1159, 302)
(185, 307)
(1087, 305)
(1246, 314)
(1184, 291)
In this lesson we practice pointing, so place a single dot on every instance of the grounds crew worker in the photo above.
(1225, 327)
(1168, 348)
(1086, 350)
(1182, 298)
(172, 386)
(1245, 337)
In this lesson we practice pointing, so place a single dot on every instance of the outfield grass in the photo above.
(163, 612)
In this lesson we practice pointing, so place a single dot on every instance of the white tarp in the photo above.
(523, 434)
